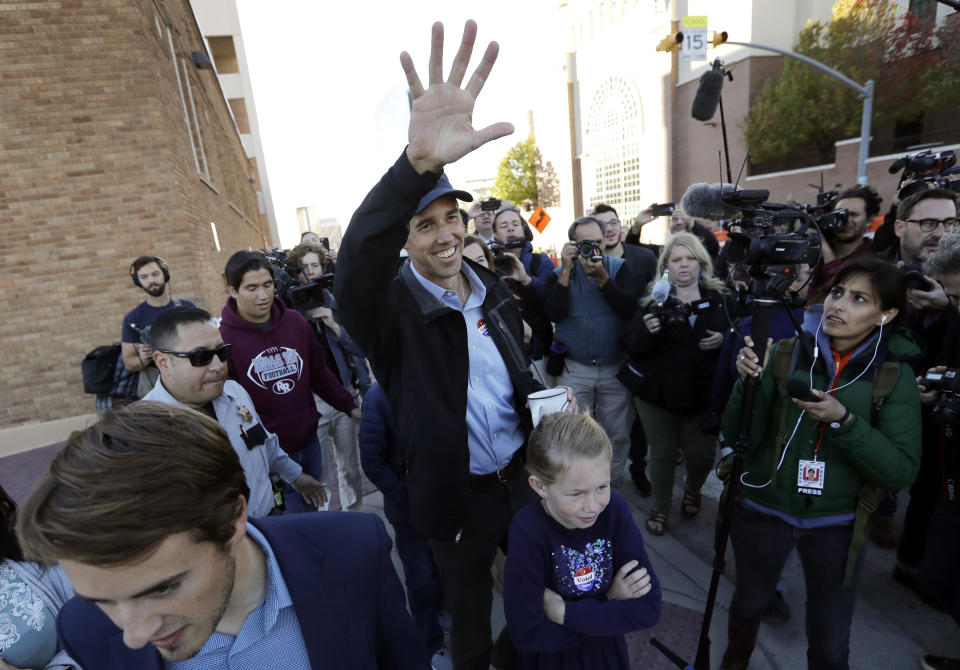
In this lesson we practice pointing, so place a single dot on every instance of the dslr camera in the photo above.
(502, 264)
(590, 250)
(672, 313)
(947, 409)
(913, 277)
(490, 205)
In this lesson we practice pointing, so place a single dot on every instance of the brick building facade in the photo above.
(114, 144)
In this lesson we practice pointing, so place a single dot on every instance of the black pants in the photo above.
(465, 567)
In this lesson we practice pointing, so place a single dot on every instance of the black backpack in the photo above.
(99, 366)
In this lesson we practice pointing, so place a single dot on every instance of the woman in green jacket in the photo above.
(811, 464)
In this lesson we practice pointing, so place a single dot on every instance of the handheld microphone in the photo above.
(705, 201)
(708, 93)
(661, 288)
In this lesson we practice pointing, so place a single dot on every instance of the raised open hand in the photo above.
(441, 123)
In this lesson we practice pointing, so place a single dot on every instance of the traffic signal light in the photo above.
(670, 42)
(719, 37)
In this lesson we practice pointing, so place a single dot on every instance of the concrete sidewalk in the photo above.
(891, 629)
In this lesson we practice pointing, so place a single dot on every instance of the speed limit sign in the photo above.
(694, 46)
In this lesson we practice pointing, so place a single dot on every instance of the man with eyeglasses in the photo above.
(192, 360)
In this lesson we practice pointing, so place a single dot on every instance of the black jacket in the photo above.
(417, 347)
(669, 369)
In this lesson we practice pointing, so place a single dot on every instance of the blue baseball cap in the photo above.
(442, 188)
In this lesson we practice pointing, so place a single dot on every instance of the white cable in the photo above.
(796, 426)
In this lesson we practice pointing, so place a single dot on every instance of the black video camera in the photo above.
(924, 170)
(287, 287)
(756, 240)
(590, 250)
(947, 409)
(502, 264)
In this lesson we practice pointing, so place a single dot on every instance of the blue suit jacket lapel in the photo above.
(145, 658)
(318, 594)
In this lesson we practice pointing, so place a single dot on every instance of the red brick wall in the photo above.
(96, 170)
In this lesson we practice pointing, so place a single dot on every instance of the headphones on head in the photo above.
(145, 260)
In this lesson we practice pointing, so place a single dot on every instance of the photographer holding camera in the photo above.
(673, 345)
(847, 241)
(482, 213)
(929, 552)
(590, 300)
(345, 360)
(513, 253)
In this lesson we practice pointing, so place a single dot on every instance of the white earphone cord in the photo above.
(816, 352)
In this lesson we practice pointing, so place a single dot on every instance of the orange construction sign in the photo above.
(539, 219)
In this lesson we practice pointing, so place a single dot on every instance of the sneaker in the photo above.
(931, 662)
(644, 488)
(441, 660)
(778, 611)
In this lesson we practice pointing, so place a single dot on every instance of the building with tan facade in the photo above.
(117, 141)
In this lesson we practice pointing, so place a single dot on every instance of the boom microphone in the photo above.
(708, 93)
(703, 201)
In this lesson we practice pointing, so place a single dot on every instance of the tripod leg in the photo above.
(740, 644)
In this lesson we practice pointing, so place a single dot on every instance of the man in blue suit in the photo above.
(146, 513)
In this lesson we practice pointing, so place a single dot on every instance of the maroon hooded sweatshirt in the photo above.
(281, 367)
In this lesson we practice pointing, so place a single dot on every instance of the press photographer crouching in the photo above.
(817, 462)
(673, 343)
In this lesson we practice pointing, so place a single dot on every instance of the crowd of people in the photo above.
(178, 531)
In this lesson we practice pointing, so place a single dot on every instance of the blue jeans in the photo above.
(310, 459)
(761, 545)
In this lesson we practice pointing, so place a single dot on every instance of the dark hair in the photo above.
(476, 239)
(144, 260)
(504, 210)
(243, 262)
(163, 332)
(122, 486)
(582, 221)
(885, 279)
(871, 199)
(603, 208)
(905, 208)
(9, 547)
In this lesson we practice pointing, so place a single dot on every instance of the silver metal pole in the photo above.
(865, 134)
(865, 92)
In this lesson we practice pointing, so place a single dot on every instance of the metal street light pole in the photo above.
(866, 92)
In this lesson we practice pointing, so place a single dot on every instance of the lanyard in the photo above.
(839, 363)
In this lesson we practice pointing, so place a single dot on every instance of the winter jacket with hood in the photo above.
(281, 367)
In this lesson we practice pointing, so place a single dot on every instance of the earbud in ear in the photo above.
(883, 320)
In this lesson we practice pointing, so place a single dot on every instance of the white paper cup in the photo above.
(547, 401)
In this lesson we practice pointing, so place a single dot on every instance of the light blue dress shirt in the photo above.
(493, 427)
(269, 638)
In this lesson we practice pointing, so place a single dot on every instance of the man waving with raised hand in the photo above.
(445, 341)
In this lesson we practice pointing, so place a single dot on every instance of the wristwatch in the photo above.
(839, 422)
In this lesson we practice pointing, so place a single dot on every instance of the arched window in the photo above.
(614, 131)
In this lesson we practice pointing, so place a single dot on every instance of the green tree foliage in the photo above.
(942, 82)
(517, 173)
(864, 40)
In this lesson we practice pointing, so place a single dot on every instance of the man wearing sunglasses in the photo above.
(192, 360)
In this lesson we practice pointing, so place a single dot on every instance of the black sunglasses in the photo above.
(201, 357)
